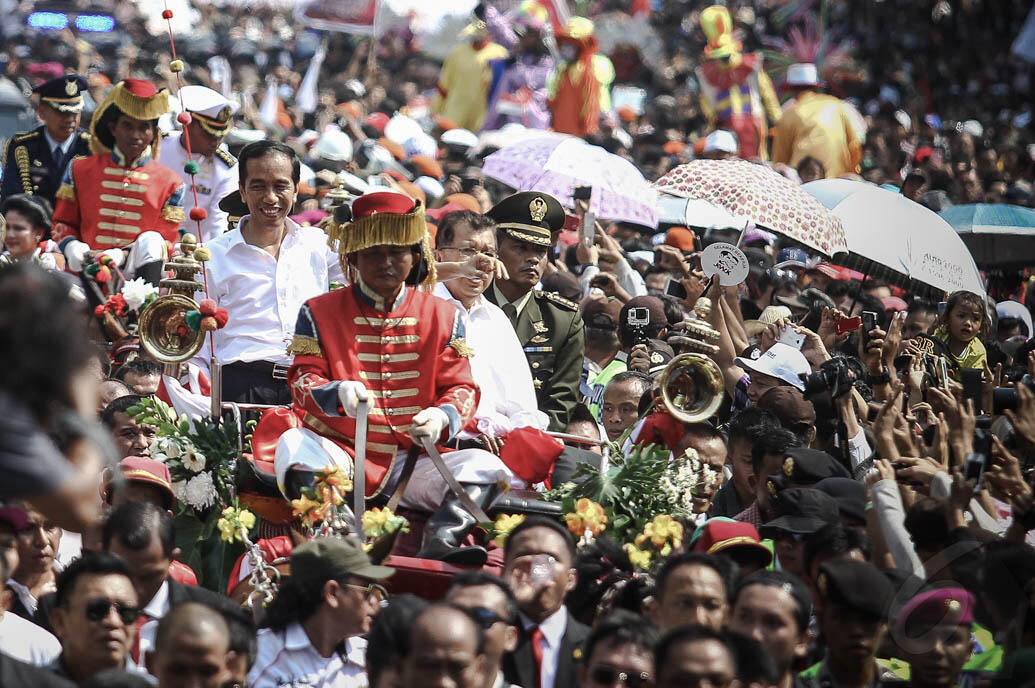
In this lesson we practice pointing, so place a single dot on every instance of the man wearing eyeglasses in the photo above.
(619, 651)
(312, 628)
(96, 606)
(508, 395)
(493, 605)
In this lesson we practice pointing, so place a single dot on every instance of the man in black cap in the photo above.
(35, 161)
(549, 327)
(800, 512)
(852, 611)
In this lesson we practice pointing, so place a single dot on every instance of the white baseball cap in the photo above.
(1014, 309)
(802, 74)
(780, 361)
(721, 141)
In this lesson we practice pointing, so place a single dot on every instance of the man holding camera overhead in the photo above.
(548, 326)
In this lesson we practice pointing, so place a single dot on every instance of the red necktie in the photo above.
(537, 654)
(138, 626)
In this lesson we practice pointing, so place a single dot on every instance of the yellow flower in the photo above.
(227, 530)
(235, 523)
(246, 519)
(503, 525)
(660, 531)
(329, 495)
(575, 525)
(375, 522)
(305, 508)
(594, 518)
(334, 475)
(639, 558)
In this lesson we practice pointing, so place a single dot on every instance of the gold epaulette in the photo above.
(226, 157)
(305, 346)
(173, 213)
(560, 300)
(461, 346)
(66, 192)
(26, 136)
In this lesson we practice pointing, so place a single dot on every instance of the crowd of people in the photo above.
(848, 462)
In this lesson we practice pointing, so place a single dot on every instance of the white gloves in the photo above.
(74, 252)
(429, 423)
(350, 393)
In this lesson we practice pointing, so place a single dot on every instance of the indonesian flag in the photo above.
(190, 394)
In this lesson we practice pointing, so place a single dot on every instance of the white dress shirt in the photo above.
(286, 659)
(157, 608)
(215, 180)
(263, 294)
(553, 628)
(507, 392)
(65, 145)
(27, 642)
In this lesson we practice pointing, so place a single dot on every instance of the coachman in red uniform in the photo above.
(404, 350)
(120, 199)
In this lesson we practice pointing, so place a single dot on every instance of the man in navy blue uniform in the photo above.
(35, 161)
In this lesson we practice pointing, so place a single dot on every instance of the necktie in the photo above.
(537, 648)
(511, 313)
(59, 155)
(134, 651)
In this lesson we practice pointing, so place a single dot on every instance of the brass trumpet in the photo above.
(163, 322)
(691, 386)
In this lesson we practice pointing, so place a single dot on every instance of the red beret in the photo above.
(139, 469)
(141, 88)
(940, 606)
(381, 202)
(719, 535)
(680, 237)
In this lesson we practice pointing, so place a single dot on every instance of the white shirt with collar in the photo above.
(215, 180)
(27, 642)
(157, 608)
(263, 294)
(65, 145)
(553, 628)
(287, 659)
(507, 394)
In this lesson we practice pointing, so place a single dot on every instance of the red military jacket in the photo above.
(107, 202)
(410, 356)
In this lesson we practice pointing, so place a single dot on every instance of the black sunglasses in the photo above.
(605, 675)
(486, 618)
(96, 610)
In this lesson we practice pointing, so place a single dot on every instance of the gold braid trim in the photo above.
(306, 346)
(461, 346)
(66, 192)
(383, 229)
(21, 158)
(173, 213)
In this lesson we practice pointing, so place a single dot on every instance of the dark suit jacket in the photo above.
(550, 331)
(178, 592)
(519, 665)
(29, 164)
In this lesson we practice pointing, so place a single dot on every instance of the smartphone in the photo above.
(943, 373)
(973, 387)
(846, 325)
(791, 338)
(589, 228)
(581, 193)
(974, 469)
(674, 288)
(869, 322)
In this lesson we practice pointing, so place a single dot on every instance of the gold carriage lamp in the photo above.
(163, 329)
(691, 386)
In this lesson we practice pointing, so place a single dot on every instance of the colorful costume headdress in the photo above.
(137, 98)
(718, 27)
(383, 218)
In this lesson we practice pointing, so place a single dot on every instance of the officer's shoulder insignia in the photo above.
(461, 347)
(27, 136)
(561, 301)
(656, 357)
(788, 466)
(540, 327)
(84, 135)
(228, 159)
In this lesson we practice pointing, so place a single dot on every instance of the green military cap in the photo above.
(333, 558)
(529, 216)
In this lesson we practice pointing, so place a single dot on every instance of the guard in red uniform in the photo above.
(404, 350)
(120, 200)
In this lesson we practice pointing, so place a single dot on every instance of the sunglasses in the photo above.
(97, 610)
(374, 592)
(605, 675)
(486, 618)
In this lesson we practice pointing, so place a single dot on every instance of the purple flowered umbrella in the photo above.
(765, 197)
(556, 166)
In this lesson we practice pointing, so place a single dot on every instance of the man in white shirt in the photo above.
(215, 176)
(313, 626)
(261, 273)
(21, 639)
(508, 396)
(538, 564)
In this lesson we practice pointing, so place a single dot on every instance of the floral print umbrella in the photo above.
(765, 197)
(556, 166)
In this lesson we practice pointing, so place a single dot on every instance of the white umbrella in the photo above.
(891, 237)
(556, 166)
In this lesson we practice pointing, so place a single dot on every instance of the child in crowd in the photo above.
(961, 327)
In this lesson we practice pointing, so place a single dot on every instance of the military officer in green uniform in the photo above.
(548, 326)
(34, 162)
